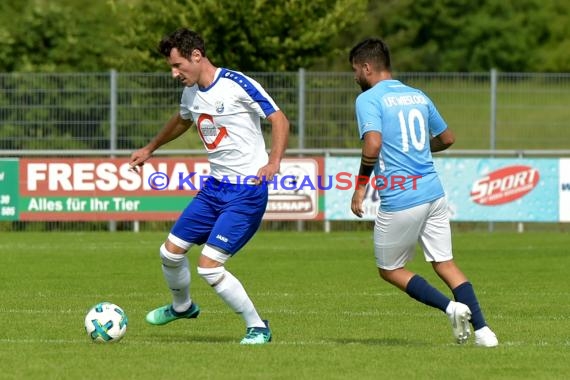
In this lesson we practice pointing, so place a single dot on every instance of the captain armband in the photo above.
(366, 168)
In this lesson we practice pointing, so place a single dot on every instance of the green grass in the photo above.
(331, 315)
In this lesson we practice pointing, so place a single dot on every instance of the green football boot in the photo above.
(257, 335)
(166, 314)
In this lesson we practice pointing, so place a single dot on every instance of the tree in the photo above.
(58, 36)
(472, 35)
(266, 35)
(554, 47)
(252, 35)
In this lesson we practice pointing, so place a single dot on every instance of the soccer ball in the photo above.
(106, 323)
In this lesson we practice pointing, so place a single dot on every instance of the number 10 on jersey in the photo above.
(409, 132)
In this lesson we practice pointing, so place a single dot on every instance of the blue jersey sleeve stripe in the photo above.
(265, 103)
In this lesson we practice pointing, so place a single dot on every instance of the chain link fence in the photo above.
(67, 114)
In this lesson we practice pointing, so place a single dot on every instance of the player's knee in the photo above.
(213, 276)
(387, 275)
(170, 259)
(213, 253)
(384, 274)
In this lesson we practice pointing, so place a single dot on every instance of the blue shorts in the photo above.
(223, 215)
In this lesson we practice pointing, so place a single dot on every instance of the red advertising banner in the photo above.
(93, 189)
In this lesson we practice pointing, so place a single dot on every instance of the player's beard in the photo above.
(364, 85)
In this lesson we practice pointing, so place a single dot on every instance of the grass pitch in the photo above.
(331, 315)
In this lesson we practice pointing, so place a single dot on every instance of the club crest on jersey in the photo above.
(219, 106)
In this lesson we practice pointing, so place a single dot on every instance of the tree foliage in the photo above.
(253, 35)
(554, 49)
(474, 35)
(54, 36)
(266, 35)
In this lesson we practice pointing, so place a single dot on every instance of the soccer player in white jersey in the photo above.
(226, 107)
(400, 127)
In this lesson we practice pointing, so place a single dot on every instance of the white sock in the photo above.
(233, 293)
(177, 275)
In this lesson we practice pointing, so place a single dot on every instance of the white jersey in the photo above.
(227, 116)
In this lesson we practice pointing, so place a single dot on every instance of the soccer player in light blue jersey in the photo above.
(226, 107)
(400, 127)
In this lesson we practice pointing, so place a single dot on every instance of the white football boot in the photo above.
(459, 317)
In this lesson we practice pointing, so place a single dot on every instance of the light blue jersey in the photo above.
(407, 119)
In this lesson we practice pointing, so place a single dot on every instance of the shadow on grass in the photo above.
(379, 342)
(193, 339)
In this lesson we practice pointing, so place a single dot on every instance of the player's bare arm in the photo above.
(173, 128)
(442, 141)
(370, 151)
(279, 138)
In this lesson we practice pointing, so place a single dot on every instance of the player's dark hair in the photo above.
(185, 41)
(373, 51)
